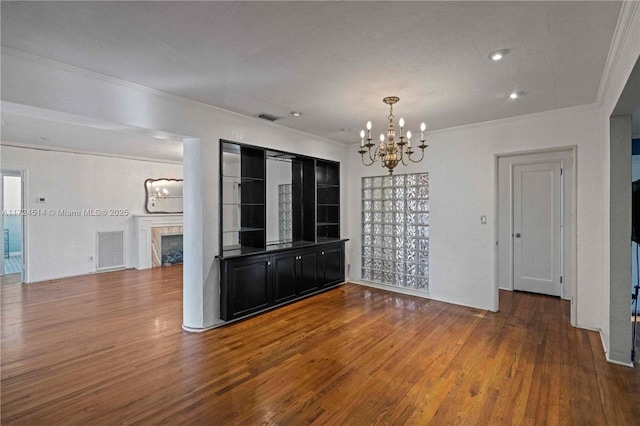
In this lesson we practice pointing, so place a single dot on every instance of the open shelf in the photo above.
(327, 199)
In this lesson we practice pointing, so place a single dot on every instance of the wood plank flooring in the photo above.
(108, 349)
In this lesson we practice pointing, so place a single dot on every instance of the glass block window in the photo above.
(285, 218)
(395, 230)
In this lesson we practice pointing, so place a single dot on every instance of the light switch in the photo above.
(483, 220)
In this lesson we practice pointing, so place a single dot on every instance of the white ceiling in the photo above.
(334, 61)
(35, 132)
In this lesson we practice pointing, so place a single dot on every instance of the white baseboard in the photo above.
(625, 364)
(200, 330)
(606, 352)
(400, 290)
(416, 293)
(99, 271)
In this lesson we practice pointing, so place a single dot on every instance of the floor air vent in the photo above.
(110, 250)
(269, 117)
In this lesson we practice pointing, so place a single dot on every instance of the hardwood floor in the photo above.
(108, 349)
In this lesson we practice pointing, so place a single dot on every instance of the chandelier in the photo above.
(392, 151)
(157, 194)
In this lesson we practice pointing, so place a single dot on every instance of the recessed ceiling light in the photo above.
(296, 113)
(498, 54)
(516, 95)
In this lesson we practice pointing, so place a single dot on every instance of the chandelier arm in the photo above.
(372, 159)
(402, 152)
(366, 163)
(375, 153)
(421, 156)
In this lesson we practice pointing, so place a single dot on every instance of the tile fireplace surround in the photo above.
(149, 229)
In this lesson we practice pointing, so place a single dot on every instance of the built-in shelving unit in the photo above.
(280, 228)
(243, 197)
(328, 199)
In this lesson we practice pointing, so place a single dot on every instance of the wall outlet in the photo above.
(483, 220)
(90, 258)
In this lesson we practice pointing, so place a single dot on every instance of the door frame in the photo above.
(570, 219)
(23, 173)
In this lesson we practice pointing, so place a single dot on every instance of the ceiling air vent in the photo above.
(269, 117)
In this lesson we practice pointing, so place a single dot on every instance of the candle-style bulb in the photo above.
(401, 122)
(368, 125)
(423, 127)
(409, 139)
(362, 134)
(381, 137)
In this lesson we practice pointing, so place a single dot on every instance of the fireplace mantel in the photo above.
(143, 227)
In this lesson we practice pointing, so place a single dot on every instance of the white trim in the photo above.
(64, 277)
(625, 364)
(411, 292)
(24, 174)
(143, 230)
(623, 26)
(573, 150)
(606, 353)
(200, 330)
(507, 120)
(407, 291)
(82, 152)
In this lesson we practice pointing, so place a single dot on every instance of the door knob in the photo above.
(518, 235)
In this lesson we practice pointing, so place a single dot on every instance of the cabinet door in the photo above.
(307, 271)
(248, 285)
(331, 265)
(284, 277)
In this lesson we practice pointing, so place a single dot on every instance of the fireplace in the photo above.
(170, 249)
(149, 230)
(158, 234)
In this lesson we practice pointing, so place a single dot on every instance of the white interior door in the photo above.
(537, 228)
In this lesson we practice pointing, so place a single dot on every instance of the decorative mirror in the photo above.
(163, 196)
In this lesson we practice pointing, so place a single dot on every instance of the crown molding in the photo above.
(22, 145)
(628, 11)
(508, 120)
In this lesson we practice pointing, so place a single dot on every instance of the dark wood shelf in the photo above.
(256, 275)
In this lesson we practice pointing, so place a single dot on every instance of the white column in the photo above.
(192, 286)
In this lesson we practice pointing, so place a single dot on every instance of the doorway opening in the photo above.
(12, 222)
(536, 223)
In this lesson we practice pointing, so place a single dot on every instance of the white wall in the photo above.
(47, 85)
(461, 164)
(59, 246)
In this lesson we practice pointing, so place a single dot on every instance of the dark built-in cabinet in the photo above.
(254, 283)
(279, 228)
